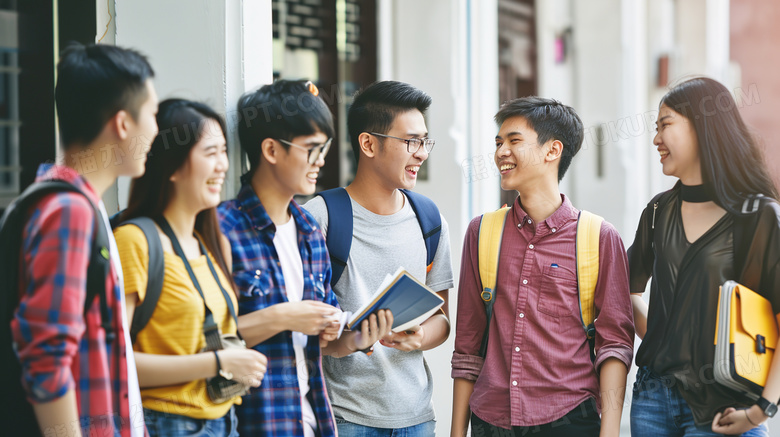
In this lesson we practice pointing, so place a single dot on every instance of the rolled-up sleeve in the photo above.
(470, 322)
(48, 324)
(615, 318)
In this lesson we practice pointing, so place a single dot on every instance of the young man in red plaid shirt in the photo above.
(78, 379)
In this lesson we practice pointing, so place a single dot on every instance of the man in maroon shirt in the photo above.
(537, 376)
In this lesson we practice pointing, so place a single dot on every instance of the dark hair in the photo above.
(551, 120)
(94, 82)
(375, 108)
(732, 164)
(182, 124)
(283, 110)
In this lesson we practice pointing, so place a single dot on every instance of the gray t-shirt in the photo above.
(391, 388)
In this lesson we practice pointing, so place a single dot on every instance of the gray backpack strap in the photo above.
(156, 273)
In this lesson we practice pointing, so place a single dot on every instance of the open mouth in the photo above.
(506, 167)
(663, 153)
(215, 184)
(312, 176)
(413, 169)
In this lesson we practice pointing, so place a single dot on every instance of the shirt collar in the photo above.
(49, 171)
(565, 213)
(251, 205)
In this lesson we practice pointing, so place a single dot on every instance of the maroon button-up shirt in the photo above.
(538, 365)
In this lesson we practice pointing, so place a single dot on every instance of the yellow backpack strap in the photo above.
(491, 229)
(588, 232)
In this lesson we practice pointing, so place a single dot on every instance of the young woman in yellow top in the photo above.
(180, 190)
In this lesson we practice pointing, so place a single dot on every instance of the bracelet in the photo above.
(747, 416)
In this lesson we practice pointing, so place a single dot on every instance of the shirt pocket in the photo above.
(253, 283)
(558, 295)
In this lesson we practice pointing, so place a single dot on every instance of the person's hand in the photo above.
(246, 365)
(308, 316)
(406, 341)
(330, 333)
(371, 330)
(736, 422)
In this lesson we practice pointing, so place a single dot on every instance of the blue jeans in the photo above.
(173, 425)
(658, 410)
(349, 429)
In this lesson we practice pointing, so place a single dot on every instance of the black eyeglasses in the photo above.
(412, 144)
(315, 152)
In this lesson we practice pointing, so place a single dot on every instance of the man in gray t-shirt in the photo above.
(390, 389)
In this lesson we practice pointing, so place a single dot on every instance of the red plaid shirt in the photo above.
(60, 348)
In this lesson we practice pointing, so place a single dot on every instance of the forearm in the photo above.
(258, 326)
(164, 370)
(612, 381)
(59, 415)
(461, 413)
(437, 329)
(640, 315)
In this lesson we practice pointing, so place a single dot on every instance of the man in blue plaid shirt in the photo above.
(280, 263)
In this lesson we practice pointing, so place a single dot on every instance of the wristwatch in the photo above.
(769, 408)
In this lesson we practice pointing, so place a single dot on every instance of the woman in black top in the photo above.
(690, 240)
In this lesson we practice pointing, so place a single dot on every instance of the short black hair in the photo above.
(94, 82)
(375, 108)
(283, 110)
(551, 120)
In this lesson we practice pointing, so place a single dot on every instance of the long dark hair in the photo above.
(732, 163)
(182, 124)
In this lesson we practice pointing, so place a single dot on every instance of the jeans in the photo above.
(658, 410)
(173, 425)
(582, 421)
(349, 429)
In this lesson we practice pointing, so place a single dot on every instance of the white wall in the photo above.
(201, 50)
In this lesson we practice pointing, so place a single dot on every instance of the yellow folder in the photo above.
(745, 339)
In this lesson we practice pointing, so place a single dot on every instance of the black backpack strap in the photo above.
(339, 238)
(155, 275)
(430, 222)
(744, 229)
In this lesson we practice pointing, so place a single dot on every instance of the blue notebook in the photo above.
(410, 301)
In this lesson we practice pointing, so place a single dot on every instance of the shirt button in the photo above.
(530, 246)
(530, 221)
(517, 349)
(514, 383)
(553, 230)
(525, 281)
(521, 315)
(519, 225)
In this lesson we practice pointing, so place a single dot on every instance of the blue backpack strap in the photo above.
(155, 274)
(339, 238)
(430, 222)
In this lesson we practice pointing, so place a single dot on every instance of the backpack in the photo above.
(17, 413)
(156, 271)
(339, 238)
(491, 229)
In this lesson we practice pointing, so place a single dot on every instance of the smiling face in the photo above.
(394, 164)
(293, 171)
(521, 161)
(678, 146)
(199, 181)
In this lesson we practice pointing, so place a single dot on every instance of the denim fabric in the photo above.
(658, 410)
(582, 421)
(349, 429)
(173, 425)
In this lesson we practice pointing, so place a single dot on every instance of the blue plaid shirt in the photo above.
(274, 409)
